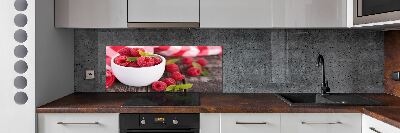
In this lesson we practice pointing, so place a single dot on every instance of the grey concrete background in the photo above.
(255, 61)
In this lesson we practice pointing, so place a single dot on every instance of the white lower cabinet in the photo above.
(321, 122)
(78, 123)
(210, 122)
(372, 125)
(250, 123)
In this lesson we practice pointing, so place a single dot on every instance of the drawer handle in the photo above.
(251, 123)
(78, 123)
(374, 129)
(321, 123)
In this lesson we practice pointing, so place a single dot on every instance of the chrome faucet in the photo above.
(320, 62)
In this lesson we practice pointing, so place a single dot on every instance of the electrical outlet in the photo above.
(89, 74)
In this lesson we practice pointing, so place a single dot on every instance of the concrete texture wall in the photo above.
(255, 61)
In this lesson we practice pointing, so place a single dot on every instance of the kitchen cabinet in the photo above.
(236, 14)
(78, 123)
(372, 125)
(321, 123)
(310, 13)
(90, 13)
(163, 11)
(250, 122)
(210, 122)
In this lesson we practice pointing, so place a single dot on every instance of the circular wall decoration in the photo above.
(20, 36)
(20, 98)
(20, 5)
(20, 82)
(20, 20)
(20, 51)
(20, 66)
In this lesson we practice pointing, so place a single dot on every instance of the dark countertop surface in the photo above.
(219, 103)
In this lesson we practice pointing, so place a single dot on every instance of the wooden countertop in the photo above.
(218, 103)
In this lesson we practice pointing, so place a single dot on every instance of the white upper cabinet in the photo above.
(163, 11)
(90, 13)
(310, 13)
(236, 13)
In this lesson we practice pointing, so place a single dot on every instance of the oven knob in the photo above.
(143, 122)
(175, 122)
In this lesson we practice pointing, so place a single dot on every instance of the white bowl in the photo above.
(138, 77)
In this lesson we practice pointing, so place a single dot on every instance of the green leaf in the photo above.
(172, 61)
(196, 65)
(185, 86)
(170, 88)
(179, 87)
(145, 53)
(204, 73)
(132, 59)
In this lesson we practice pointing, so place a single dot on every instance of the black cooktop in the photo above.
(163, 99)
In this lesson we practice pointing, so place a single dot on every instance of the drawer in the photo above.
(321, 122)
(250, 123)
(372, 125)
(78, 123)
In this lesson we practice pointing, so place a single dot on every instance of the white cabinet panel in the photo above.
(235, 14)
(78, 123)
(163, 10)
(372, 125)
(250, 123)
(91, 13)
(321, 123)
(310, 13)
(209, 122)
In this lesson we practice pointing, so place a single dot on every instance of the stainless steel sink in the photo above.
(316, 99)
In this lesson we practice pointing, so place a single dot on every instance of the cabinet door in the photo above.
(209, 122)
(235, 14)
(250, 123)
(321, 123)
(91, 13)
(163, 11)
(310, 13)
(372, 125)
(78, 123)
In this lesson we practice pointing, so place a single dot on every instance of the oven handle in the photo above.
(163, 131)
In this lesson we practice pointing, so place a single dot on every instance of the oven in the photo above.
(375, 11)
(159, 123)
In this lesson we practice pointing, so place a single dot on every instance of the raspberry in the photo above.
(110, 78)
(159, 86)
(172, 68)
(135, 52)
(169, 81)
(133, 64)
(145, 61)
(177, 76)
(187, 60)
(192, 71)
(157, 60)
(202, 61)
(121, 60)
(125, 51)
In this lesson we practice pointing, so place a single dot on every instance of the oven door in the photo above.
(162, 131)
(374, 11)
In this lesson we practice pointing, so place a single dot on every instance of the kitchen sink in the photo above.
(316, 99)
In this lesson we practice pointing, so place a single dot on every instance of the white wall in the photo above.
(54, 56)
(16, 118)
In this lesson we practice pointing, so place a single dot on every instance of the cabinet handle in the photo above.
(78, 123)
(321, 123)
(251, 123)
(374, 129)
